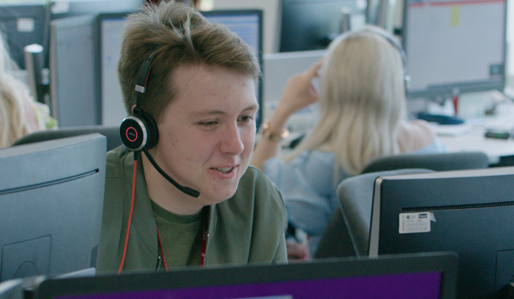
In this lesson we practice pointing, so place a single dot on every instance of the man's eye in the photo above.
(246, 118)
(208, 123)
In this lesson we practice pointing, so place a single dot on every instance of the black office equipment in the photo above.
(51, 201)
(112, 133)
(34, 64)
(454, 47)
(497, 134)
(469, 212)
(23, 24)
(422, 276)
(440, 119)
(312, 24)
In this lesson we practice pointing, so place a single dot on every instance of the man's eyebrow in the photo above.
(219, 112)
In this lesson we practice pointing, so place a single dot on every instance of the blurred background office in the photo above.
(457, 52)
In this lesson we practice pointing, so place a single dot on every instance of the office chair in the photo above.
(347, 233)
(436, 162)
(111, 132)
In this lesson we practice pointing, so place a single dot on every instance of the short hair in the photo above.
(178, 36)
(362, 99)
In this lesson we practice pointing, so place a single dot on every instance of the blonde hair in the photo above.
(362, 100)
(12, 113)
(179, 36)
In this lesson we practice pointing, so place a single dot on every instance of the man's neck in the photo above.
(164, 194)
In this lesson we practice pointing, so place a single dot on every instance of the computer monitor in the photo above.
(246, 23)
(69, 8)
(51, 202)
(73, 89)
(313, 24)
(278, 68)
(22, 24)
(454, 47)
(425, 276)
(109, 29)
(469, 212)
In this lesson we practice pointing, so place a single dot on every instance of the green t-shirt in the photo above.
(181, 237)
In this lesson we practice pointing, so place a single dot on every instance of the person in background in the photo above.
(362, 116)
(19, 113)
(186, 195)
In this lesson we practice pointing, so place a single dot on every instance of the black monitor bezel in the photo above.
(444, 262)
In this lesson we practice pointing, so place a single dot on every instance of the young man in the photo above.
(198, 85)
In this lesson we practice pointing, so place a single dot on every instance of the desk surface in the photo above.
(474, 139)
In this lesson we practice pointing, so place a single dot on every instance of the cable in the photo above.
(131, 212)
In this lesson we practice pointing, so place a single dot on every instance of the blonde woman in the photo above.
(362, 116)
(19, 114)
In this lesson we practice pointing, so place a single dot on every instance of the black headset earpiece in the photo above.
(139, 130)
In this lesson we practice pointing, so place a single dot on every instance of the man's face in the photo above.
(207, 134)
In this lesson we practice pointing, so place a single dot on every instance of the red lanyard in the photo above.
(203, 248)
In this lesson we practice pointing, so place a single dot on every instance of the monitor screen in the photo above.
(454, 46)
(246, 23)
(51, 201)
(72, 72)
(469, 212)
(69, 8)
(22, 24)
(427, 276)
(278, 68)
(313, 24)
(110, 28)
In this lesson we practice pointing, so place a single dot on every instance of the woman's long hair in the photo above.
(362, 100)
(12, 112)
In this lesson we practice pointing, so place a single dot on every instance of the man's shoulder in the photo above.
(255, 178)
(254, 184)
(117, 160)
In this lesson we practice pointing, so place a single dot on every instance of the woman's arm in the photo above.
(298, 93)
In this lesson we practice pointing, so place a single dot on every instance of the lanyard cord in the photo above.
(203, 248)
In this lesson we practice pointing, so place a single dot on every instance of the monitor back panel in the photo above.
(469, 215)
(51, 201)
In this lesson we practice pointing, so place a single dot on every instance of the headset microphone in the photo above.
(139, 130)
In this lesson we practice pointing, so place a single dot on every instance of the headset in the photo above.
(403, 55)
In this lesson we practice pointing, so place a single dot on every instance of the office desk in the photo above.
(474, 140)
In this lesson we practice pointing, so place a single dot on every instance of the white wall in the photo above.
(270, 8)
(510, 37)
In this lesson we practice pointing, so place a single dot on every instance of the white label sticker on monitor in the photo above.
(25, 24)
(415, 222)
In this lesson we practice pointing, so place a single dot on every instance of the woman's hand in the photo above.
(299, 92)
